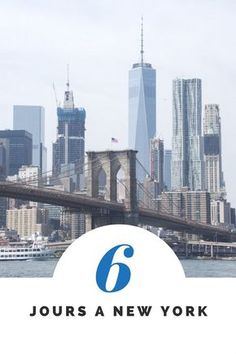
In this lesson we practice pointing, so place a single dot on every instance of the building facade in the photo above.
(20, 149)
(3, 174)
(29, 175)
(151, 193)
(28, 221)
(187, 142)
(167, 169)
(4, 158)
(157, 161)
(233, 217)
(193, 205)
(212, 150)
(32, 119)
(74, 223)
(220, 213)
(142, 111)
(172, 203)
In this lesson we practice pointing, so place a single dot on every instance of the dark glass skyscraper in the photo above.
(69, 146)
(20, 149)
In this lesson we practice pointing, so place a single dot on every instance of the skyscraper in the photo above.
(212, 149)
(4, 162)
(20, 149)
(4, 158)
(187, 142)
(167, 169)
(32, 119)
(157, 161)
(142, 109)
(68, 149)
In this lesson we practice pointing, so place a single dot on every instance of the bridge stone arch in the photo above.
(111, 162)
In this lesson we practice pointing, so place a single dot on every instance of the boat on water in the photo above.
(24, 252)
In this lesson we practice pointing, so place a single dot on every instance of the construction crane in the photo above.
(55, 93)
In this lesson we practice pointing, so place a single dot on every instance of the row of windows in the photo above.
(21, 255)
(20, 250)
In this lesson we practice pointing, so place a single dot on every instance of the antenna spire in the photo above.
(68, 78)
(142, 51)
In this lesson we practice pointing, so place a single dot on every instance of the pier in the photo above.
(204, 249)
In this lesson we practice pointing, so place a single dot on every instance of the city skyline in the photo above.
(165, 38)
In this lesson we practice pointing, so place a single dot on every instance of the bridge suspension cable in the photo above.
(69, 173)
(167, 195)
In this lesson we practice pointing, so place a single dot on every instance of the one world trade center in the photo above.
(142, 111)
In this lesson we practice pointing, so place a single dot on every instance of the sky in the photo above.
(100, 40)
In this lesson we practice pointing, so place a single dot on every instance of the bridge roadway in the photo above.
(87, 204)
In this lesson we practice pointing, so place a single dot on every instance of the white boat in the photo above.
(23, 253)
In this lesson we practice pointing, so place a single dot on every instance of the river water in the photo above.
(192, 268)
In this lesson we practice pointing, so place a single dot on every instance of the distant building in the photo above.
(193, 205)
(4, 150)
(54, 211)
(172, 203)
(167, 169)
(77, 225)
(233, 217)
(151, 192)
(69, 148)
(4, 158)
(157, 161)
(74, 222)
(28, 221)
(187, 142)
(212, 150)
(29, 175)
(197, 206)
(142, 111)
(60, 218)
(20, 149)
(10, 235)
(220, 213)
(32, 119)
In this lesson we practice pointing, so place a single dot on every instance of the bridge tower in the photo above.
(111, 162)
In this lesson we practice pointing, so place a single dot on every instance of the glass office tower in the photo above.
(32, 119)
(142, 110)
(18, 144)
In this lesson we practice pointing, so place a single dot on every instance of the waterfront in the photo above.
(27, 269)
(192, 268)
(209, 268)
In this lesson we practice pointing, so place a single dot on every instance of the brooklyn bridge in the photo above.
(108, 210)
